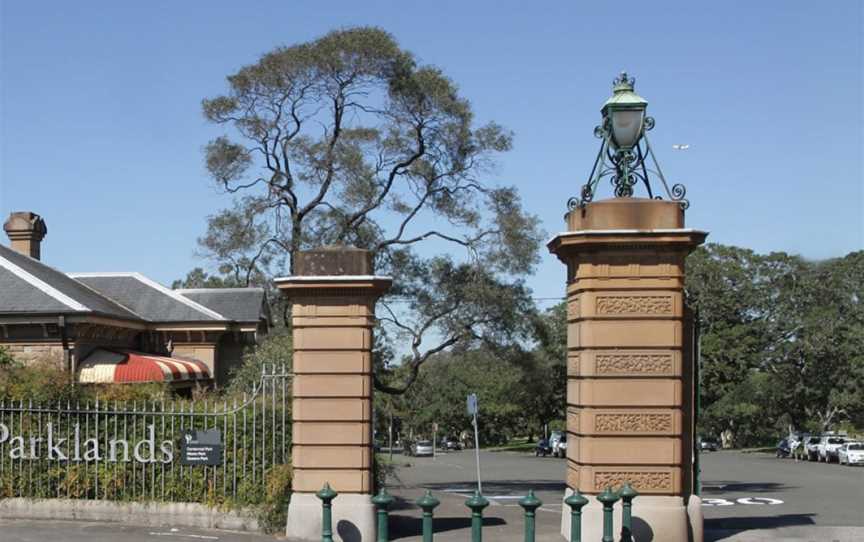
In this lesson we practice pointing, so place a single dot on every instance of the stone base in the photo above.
(695, 517)
(353, 518)
(655, 519)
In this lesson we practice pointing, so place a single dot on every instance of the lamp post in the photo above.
(625, 149)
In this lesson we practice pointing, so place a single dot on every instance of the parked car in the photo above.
(450, 443)
(543, 448)
(560, 448)
(811, 447)
(784, 448)
(422, 447)
(828, 447)
(554, 437)
(708, 444)
(851, 453)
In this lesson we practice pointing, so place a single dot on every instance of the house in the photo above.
(120, 327)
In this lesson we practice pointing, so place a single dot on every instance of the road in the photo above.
(815, 498)
(749, 498)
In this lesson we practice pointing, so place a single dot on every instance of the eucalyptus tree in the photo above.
(348, 140)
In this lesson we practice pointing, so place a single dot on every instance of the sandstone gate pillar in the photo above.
(629, 366)
(332, 297)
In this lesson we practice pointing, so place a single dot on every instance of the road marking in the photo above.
(181, 535)
(717, 502)
(759, 501)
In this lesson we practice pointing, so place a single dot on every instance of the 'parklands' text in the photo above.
(72, 448)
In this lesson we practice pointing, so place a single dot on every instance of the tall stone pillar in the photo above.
(332, 297)
(629, 366)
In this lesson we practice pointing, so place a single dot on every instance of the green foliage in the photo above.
(782, 341)
(198, 278)
(276, 350)
(273, 512)
(6, 358)
(38, 382)
(438, 396)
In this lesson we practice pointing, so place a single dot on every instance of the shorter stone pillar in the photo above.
(333, 295)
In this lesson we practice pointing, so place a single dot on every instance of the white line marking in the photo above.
(180, 535)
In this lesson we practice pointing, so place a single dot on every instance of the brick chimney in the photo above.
(25, 231)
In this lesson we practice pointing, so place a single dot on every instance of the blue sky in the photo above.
(101, 130)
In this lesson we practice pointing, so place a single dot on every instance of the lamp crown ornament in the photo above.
(623, 82)
(625, 149)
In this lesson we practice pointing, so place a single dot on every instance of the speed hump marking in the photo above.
(760, 501)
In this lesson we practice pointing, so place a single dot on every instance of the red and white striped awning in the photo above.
(103, 366)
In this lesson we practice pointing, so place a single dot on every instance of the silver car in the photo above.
(423, 447)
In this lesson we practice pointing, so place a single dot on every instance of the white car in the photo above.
(851, 453)
(829, 446)
(560, 448)
(423, 447)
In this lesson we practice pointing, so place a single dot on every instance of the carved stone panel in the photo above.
(634, 363)
(633, 423)
(616, 305)
(640, 480)
(573, 311)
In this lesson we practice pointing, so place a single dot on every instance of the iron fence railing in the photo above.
(476, 503)
(122, 450)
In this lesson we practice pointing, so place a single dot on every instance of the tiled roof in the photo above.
(238, 304)
(29, 286)
(147, 298)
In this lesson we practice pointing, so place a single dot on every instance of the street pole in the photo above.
(477, 452)
(391, 435)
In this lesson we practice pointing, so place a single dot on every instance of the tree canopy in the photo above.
(782, 340)
(348, 140)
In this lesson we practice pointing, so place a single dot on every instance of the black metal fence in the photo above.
(134, 451)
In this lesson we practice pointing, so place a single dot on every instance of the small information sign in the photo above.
(472, 404)
(201, 447)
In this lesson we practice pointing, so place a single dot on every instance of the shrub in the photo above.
(276, 350)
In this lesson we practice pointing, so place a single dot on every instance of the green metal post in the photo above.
(477, 503)
(382, 502)
(530, 504)
(608, 498)
(427, 503)
(576, 501)
(627, 495)
(326, 495)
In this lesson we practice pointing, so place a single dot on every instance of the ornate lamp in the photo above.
(625, 148)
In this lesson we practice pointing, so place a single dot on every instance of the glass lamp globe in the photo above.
(624, 114)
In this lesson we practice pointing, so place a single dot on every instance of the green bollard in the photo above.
(477, 503)
(627, 495)
(382, 502)
(608, 498)
(326, 495)
(576, 501)
(427, 503)
(530, 504)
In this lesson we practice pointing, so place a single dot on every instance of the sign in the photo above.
(201, 447)
(472, 404)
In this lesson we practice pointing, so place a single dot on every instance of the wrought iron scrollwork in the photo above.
(625, 169)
